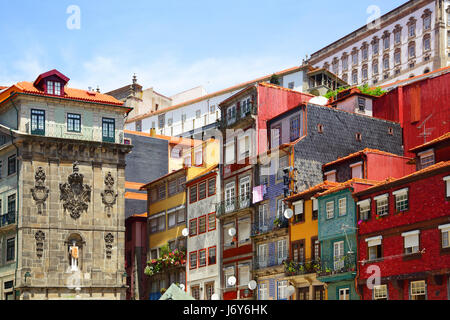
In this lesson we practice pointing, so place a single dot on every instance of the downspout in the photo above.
(358, 269)
(17, 192)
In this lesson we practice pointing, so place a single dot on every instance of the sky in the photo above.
(171, 45)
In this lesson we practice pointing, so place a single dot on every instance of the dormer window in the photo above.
(54, 87)
(426, 158)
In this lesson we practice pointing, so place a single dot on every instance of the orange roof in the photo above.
(208, 96)
(361, 152)
(389, 181)
(71, 93)
(274, 86)
(347, 184)
(442, 138)
(172, 140)
(135, 196)
(315, 189)
(2, 87)
(133, 185)
(162, 178)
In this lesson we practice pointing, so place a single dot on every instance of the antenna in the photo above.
(426, 132)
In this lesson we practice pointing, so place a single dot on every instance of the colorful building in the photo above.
(404, 231)
(338, 239)
(304, 258)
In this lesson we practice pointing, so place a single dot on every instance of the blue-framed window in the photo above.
(73, 122)
(108, 129)
(38, 122)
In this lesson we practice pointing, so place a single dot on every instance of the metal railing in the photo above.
(343, 264)
(8, 219)
(267, 262)
(233, 204)
(236, 116)
(293, 268)
(259, 228)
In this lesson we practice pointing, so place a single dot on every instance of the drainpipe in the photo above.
(17, 193)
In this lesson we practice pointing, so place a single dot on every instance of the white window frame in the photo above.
(330, 209)
(346, 295)
(245, 267)
(281, 250)
(338, 253)
(445, 229)
(378, 199)
(380, 292)
(263, 291)
(282, 289)
(359, 165)
(230, 196)
(447, 186)
(364, 208)
(414, 290)
(342, 206)
(227, 274)
(230, 158)
(330, 174)
(242, 237)
(400, 198)
(416, 240)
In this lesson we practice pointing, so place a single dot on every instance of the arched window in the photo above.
(426, 70)
(74, 244)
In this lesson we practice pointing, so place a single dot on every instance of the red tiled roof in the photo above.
(389, 181)
(361, 152)
(172, 140)
(315, 189)
(445, 137)
(347, 184)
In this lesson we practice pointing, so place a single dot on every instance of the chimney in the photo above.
(152, 132)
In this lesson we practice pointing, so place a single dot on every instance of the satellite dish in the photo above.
(185, 232)
(252, 285)
(288, 213)
(290, 290)
(182, 287)
(231, 281)
(232, 232)
(215, 296)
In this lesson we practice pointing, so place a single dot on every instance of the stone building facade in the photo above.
(70, 180)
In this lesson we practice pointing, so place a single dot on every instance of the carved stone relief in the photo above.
(109, 239)
(40, 237)
(40, 191)
(109, 197)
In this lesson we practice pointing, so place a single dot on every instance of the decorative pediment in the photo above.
(74, 194)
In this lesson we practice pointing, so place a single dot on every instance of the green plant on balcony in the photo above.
(167, 260)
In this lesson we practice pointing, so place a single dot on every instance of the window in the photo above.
(386, 63)
(244, 274)
(193, 194)
(202, 190)
(212, 109)
(202, 224)
(375, 46)
(244, 192)
(397, 56)
(375, 67)
(330, 176)
(343, 206)
(193, 260)
(38, 122)
(426, 158)
(230, 197)
(245, 108)
(282, 252)
(187, 161)
(299, 211)
(209, 290)
(426, 42)
(264, 174)
(411, 242)
(211, 187)
(418, 290)
(263, 291)
(228, 240)
(355, 76)
(228, 273)
(364, 210)
(291, 85)
(355, 57)
(365, 53)
(158, 222)
(262, 255)
(211, 221)
(229, 152)
(365, 72)
(73, 122)
(374, 248)
(380, 292)
(108, 129)
(427, 22)
(12, 165)
(358, 136)
(303, 293)
(263, 217)
(162, 192)
(283, 163)
(244, 147)
(357, 170)
(193, 227)
(202, 258)
(319, 293)
(445, 232)
(412, 30)
(382, 204)
(401, 200)
(344, 294)
(244, 226)
(173, 188)
(412, 50)
(330, 209)
(298, 250)
(12, 203)
(295, 128)
(1, 168)
(447, 186)
(276, 137)
(153, 195)
(338, 255)
(282, 290)
(212, 255)
(397, 36)
(315, 213)
(231, 114)
(386, 41)
(198, 157)
(10, 249)
(50, 87)
(172, 217)
(280, 208)
(345, 63)
(315, 249)
(195, 292)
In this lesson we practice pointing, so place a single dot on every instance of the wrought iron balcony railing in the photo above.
(267, 262)
(260, 228)
(8, 219)
(233, 204)
(236, 116)
(343, 264)
(293, 268)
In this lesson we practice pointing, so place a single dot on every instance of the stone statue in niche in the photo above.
(40, 191)
(40, 237)
(74, 194)
(109, 197)
(74, 254)
(109, 239)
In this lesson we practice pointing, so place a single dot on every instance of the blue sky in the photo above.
(171, 45)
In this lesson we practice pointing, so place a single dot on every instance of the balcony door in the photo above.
(229, 197)
(338, 255)
(244, 192)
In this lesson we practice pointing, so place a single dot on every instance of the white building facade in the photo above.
(203, 243)
(411, 40)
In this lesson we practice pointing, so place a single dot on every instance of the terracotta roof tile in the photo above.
(359, 153)
(347, 184)
(315, 189)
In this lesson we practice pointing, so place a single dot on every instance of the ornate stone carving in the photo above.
(109, 239)
(40, 237)
(75, 194)
(108, 195)
(40, 191)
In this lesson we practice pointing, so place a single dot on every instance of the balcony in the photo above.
(337, 267)
(293, 268)
(260, 263)
(8, 219)
(243, 201)
(260, 229)
(237, 116)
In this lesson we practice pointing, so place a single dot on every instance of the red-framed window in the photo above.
(212, 255)
(202, 190)
(192, 227)
(193, 260)
(201, 258)
(212, 221)
(211, 187)
(193, 194)
(202, 224)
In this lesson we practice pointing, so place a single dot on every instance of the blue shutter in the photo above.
(272, 288)
(272, 257)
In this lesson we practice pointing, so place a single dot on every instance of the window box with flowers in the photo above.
(176, 258)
